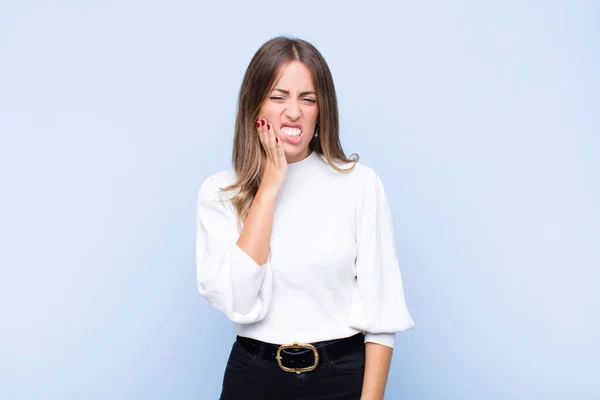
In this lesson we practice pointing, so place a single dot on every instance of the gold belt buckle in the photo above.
(297, 345)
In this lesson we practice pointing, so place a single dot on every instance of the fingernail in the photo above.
(268, 126)
(276, 139)
(257, 124)
(262, 121)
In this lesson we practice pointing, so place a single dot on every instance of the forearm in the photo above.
(377, 367)
(255, 237)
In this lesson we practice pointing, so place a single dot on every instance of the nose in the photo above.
(293, 111)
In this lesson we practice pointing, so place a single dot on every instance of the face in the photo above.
(292, 109)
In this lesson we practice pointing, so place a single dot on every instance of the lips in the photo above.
(295, 126)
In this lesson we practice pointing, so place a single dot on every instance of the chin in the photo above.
(293, 152)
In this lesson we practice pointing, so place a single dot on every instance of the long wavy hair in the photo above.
(260, 76)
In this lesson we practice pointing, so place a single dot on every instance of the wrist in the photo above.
(266, 195)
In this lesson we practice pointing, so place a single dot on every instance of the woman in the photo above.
(295, 242)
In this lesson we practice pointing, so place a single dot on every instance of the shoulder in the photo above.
(354, 171)
(360, 183)
(365, 172)
(366, 186)
(211, 188)
(360, 174)
(369, 184)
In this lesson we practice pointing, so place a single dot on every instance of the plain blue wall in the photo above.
(480, 117)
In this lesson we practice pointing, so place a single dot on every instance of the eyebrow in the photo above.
(288, 92)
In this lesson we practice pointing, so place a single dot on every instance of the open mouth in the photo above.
(291, 132)
(291, 135)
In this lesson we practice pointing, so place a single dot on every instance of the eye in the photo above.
(309, 100)
(276, 98)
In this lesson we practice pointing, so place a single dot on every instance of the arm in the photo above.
(378, 359)
(228, 277)
(255, 237)
(378, 306)
(233, 268)
(256, 233)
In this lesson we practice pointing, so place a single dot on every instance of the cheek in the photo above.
(312, 114)
(271, 111)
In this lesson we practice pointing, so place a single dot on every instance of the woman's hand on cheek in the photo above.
(275, 163)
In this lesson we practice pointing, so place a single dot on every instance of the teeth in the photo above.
(291, 131)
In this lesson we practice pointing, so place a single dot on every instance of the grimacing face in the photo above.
(291, 107)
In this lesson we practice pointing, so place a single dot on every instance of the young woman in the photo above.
(295, 242)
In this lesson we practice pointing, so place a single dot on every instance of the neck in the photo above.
(299, 157)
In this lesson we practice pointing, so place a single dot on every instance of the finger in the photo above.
(269, 139)
(258, 131)
(261, 134)
(281, 152)
(272, 142)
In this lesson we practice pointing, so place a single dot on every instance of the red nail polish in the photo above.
(276, 139)
(262, 121)
(268, 126)
(257, 124)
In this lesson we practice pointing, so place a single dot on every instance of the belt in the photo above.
(302, 357)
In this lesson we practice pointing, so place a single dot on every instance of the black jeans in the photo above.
(247, 377)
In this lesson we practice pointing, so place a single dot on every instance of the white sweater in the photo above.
(332, 270)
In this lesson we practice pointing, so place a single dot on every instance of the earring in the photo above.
(317, 130)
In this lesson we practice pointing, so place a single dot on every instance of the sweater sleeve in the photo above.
(227, 277)
(378, 305)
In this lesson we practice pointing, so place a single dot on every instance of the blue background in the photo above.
(480, 117)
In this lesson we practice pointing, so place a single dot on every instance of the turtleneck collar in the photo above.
(299, 170)
(304, 162)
